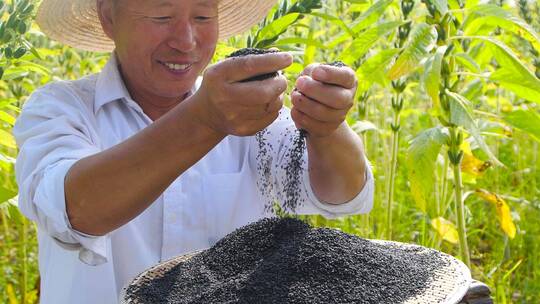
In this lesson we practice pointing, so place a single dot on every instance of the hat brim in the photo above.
(76, 22)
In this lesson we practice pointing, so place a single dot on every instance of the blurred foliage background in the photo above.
(447, 105)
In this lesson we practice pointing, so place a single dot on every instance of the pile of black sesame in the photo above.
(286, 261)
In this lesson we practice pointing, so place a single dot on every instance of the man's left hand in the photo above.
(323, 96)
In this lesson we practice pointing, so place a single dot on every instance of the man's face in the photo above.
(163, 45)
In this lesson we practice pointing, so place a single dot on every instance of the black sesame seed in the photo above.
(293, 173)
(338, 64)
(253, 51)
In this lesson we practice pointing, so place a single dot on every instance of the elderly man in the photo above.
(146, 160)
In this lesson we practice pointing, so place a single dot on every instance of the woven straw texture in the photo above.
(449, 285)
(76, 23)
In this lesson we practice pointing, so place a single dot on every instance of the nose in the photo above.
(182, 36)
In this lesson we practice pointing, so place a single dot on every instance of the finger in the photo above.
(333, 96)
(339, 76)
(240, 68)
(276, 105)
(309, 69)
(312, 126)
(316, 109)
(258, 112)
(257, 92)
(251, 127)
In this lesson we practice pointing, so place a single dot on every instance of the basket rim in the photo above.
(453, 297)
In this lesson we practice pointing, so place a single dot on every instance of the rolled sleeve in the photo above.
(50, 199)
(361, 203)
(53, 132)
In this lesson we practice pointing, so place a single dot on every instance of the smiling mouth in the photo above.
(176, 67)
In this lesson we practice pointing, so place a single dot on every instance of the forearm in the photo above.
(336, 165)
(108, 189)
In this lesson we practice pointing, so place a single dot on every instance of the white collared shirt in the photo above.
(65, 121)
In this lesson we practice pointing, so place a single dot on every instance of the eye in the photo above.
(204, 18)
(161, 19)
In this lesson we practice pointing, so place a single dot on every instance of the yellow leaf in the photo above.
(446, 229)
(503, 211)
(473, 165)
(466, 147)
(11, 294)
(7, 139)
(32, 296)
(470, 164)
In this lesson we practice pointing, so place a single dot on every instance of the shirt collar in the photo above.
(109, 85)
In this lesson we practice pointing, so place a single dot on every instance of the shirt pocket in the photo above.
(231, 201)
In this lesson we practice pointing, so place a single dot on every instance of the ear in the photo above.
(105, 13)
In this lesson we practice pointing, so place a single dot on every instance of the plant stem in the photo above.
(460, 212)
(23, 276)
(444, 186)
(392, 175)
(458, 189)
(7, 242)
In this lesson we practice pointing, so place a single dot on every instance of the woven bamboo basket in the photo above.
(449, 285)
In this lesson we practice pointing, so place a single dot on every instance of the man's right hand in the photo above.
(231, 107)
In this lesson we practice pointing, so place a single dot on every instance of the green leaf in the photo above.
(432, 76)
(6, 194)
(467, 62)
(19, 52)
(310, 51)
(362, 126)
(14, 73)
(6, 139)
(21, 28)
(373, 70)
(421, 159)
(8, 51)
(371, 15)
(421, 40)
(299, 40)
(527, 121)
(460, 115)
(277, 27)
(23, 68)
(335, 20)
(510, 80)
(4, 116)
(32, 49)
(7, 159)
(471, 3)
(484, 15)
(365, 41)
(357, 1)
(441, 6)
(6, 102)
(473, 89)
(513, 74)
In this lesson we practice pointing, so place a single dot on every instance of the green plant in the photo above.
(473, 70)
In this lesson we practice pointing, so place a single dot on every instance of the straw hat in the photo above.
(76, 23)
